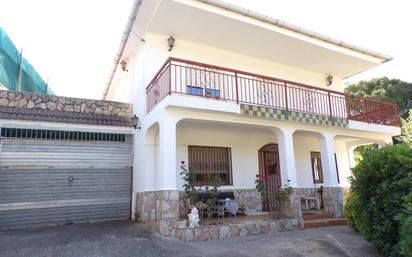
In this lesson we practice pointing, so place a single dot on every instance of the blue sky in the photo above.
(72, 43)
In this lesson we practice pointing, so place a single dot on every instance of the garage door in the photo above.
(61, 177)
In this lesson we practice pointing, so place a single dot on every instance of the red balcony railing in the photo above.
(179, 76)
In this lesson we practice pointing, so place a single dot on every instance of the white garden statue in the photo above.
(193, 218)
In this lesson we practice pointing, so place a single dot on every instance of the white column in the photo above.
(351, 155)
(327, 154)
(287, 157)
(148, 157)
(167, 154)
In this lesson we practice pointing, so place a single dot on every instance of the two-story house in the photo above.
(233, 94)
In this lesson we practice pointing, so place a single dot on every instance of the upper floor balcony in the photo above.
(184, 77)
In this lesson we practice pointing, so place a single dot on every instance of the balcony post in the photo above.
(330, 105)
(170, 78)
(237, 88)
(286, 97)
(366, 110)
(398, 122)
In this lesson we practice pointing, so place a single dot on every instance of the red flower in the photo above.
(182, 162)
(263, 177)
(257, 175)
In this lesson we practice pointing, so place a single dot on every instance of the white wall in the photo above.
(244, 143)
(342, 157)
(303, 145)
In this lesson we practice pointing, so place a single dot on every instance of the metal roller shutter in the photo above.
(50, 182)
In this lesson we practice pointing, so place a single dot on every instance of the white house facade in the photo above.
(232, 94)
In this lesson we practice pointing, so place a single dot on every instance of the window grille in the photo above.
(210, 165)
(316, 167)
(20, 133)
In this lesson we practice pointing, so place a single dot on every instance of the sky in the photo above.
(72, 43)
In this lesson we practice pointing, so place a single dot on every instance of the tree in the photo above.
(407, 129)
(385, 89)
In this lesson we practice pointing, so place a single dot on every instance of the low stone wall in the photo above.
(252, 227)
(166, 212)
(60, 103)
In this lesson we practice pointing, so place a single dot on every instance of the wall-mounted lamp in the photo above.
(135, 121)
(329, 79)
(123, 65)
(171, 42)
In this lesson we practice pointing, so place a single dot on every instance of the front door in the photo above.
(269, 171)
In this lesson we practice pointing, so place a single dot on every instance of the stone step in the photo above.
(326, 222)
(317, 216)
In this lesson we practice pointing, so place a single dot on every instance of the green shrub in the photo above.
(405, 221)
(377, 205)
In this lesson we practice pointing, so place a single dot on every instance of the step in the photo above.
(316, 216)
(327, 222)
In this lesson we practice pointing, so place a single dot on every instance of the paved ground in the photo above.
(129, 239)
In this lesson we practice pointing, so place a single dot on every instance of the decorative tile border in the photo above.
(256, 111)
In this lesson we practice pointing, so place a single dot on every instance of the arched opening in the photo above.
(269, 171)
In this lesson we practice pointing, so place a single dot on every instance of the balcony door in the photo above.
(269, 171)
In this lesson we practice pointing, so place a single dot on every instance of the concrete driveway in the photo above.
(129, 239)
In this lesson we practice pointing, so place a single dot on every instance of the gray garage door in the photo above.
(63, 178)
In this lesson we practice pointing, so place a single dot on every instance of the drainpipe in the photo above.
(125, 37)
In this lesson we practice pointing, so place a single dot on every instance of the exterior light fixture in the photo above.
(171, 41)
(329, 79)
(135, 121)
(123, 65)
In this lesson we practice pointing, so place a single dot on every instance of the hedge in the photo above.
(379, 204)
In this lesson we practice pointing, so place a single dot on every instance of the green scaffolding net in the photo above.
(16, 73)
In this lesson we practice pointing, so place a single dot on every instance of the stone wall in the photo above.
(291, 207)
(60, 103)
(334, 200)
(166, 212)
(160, 209)
(235, 229)
(250, 199)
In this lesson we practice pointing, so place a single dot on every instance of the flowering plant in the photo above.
(192, 193)
(261, 184)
